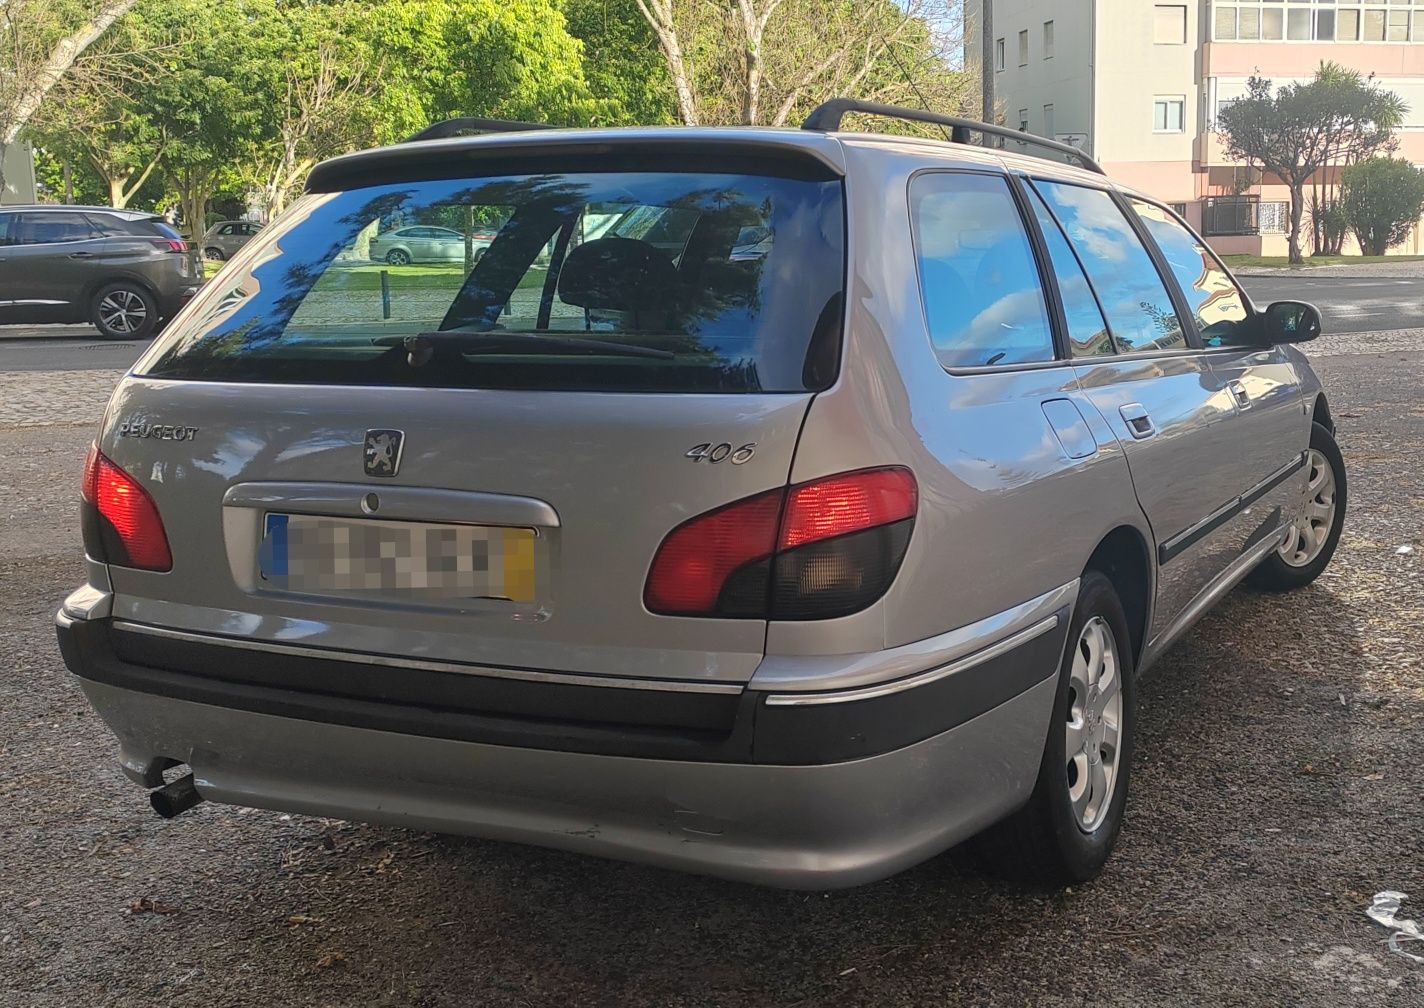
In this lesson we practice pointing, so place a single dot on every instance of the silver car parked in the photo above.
(425, 243)
(795, 568)
(223, 239)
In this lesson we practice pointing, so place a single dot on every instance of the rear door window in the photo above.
(1134, 298)
(1088, 333)
(599, 281)
(983, 297)
(52, 228)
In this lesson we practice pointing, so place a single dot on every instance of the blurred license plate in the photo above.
(313, 553)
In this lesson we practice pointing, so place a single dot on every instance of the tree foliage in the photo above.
(1382, 199)
(42, 48)
(765, 62)
(1297, 130)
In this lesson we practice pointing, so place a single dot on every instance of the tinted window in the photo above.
(227, 229)
(1214, 299)
(1139, 310)
(49, 228)
(558, 300)
(107, 225)
(982, 294)
(1087, 332)
(7, 228)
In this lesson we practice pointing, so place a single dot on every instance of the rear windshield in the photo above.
(600, 281)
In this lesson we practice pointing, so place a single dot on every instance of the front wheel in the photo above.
(1315, 532)
(1067, 830)
(214, 253)
(124, 311)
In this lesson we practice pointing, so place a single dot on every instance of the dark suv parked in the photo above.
(122, 270)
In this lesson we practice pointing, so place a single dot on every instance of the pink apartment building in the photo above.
(1137, 84)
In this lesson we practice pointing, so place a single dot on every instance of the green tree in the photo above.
(1297, 130)
(42, 46)
(622, 62)
(1382, 199)
(766, 62)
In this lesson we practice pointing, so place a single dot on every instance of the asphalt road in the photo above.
(1278, 785)
(1349, 305)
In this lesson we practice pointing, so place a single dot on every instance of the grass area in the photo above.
(425, 276)
(1239, 261)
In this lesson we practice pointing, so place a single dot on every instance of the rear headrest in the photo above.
(619, 274)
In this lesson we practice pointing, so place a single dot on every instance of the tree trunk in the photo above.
(43, 78)
(116, 192)
(1297, 205)
(68, 182)
(658, 14)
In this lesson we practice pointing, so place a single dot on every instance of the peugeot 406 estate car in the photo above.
(795, 567)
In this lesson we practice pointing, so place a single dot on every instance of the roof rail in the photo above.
(454, 127)
(826, 118)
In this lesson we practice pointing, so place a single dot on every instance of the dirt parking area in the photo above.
(1279, 784)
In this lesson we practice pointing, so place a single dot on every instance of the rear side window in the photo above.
(1087, 331)
(1215, 300)
(983, 298)
(1139, 310)
(598, 281)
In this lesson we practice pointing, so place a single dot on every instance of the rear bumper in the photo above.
(773, 820)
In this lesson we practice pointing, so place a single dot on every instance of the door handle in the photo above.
(1239, 393)
(81, 255)
(1137, 420)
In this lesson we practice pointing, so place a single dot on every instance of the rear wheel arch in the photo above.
(90, 289)
(1320, 413)
(1122, 556)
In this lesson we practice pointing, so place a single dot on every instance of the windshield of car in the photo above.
(613, 281)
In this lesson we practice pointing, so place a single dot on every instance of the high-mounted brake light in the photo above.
(122, 524)
(825, 548)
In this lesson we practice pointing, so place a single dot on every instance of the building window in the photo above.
(1048, 40)
(1169, 114)
(1048, 124)
(1299, 21)
(999, 55)
(1023, 120)
(1023, 47)
(1169, 24)
(1180, 209)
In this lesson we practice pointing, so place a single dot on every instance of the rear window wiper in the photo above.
(420, 346)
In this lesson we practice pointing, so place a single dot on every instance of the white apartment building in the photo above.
(1137, 84)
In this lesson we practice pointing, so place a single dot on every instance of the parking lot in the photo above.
(1279, 783)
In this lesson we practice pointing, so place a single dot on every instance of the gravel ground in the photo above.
(1279, 784)
(1410, 268)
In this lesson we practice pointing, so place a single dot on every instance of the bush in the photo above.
(1382, 199)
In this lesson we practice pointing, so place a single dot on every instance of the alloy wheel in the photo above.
(1094, 724)
(1311, 529)
(123, 311)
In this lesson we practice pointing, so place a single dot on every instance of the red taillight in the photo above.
(694, 561)
(843, 504)
(170, 245)
(793, 553)
(131, 532)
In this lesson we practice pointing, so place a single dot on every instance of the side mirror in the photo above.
(1290, 322)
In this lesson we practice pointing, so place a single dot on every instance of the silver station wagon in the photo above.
(795, 567)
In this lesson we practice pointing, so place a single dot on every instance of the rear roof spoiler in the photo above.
(826, 118)
(521, 149)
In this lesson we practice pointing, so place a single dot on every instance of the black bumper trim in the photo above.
(696, 727)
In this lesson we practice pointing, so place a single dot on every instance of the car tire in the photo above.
(1063, 836)
(1314, 535)
(123, 310)
(215, 254)
(398, 257)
